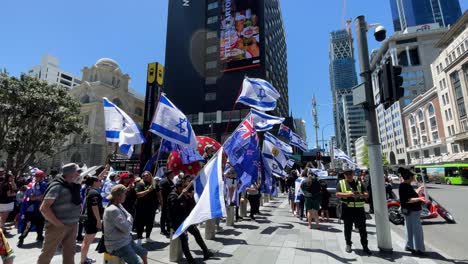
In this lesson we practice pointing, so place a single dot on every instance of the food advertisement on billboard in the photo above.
(239, 35)
(435, 174)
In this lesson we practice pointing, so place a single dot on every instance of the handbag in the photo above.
(101, 247)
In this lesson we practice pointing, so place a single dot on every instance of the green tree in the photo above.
(35, 119)
(365, 157)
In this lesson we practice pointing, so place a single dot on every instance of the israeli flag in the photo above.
(121, 128)
(339, 154)
(297, 141)
(290, 163)
(171, 124)
(211, 204)
(286, 148)
(259, 94)
(274, 159)
(264, 121)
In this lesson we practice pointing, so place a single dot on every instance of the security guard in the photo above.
(352, 194)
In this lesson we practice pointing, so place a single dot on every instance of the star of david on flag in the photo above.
(259, 94)
(121, 128)
(172, 125)
(297, 141)
(264, 121)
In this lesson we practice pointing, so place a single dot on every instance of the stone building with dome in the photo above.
(102, 79)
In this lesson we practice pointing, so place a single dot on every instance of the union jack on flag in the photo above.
(284, 131)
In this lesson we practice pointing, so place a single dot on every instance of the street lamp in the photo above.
(322, 133)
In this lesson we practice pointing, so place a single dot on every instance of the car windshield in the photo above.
(331, 183)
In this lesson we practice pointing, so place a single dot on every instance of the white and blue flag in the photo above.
(286, 148)
(290, 163)
(264, 121)
(339, 154)
(171, 124)
(211, 203)
(121, 128)
(297, 141)
(258, 94)
(273, 158)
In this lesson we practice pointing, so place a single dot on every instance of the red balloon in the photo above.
(174, 162)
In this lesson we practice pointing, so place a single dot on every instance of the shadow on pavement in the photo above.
(250, 227)
(262, 221)
(155, 245)
(330, 254)
(217, 256)
(396, 256)
(442, 222)
(230, 241)
(35, 244)
(323, 227)
(230, 232)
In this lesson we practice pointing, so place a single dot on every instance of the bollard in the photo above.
(110, 259)
(243, 207)
(231, 212)
(175, 249)
(261, 200)
(210, 229)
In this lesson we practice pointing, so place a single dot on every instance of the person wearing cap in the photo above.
(411, 205)
(352, 194)
(61, 208)
(117, 226)
(209, 152)
(181, 203)
(109, 183)
(148, 198)
(32, 215)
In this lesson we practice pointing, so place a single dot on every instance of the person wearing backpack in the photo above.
(312, 194)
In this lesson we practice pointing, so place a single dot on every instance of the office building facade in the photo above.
(211, 47)
(348, 119)
(408, 14)
(414, 52)
(49, 71)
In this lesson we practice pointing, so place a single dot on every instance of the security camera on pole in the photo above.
(384, 239)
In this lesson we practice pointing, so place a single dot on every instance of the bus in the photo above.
(449, 173)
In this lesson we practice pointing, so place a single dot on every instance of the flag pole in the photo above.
(157, 158)
(233, 107)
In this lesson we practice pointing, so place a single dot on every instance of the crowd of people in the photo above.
(65, 209)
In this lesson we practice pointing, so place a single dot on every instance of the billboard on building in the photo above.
(239, 35)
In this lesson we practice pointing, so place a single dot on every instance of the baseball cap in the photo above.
(71, 168)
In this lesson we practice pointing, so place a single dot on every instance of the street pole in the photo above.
(384, 239)
(316, 124)
(323, 144)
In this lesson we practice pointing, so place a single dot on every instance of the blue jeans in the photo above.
(414, 231)
(131, 253)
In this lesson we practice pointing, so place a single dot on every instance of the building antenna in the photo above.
(316, 124)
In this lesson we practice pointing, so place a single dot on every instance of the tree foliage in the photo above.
(35, 119)
(365, 157)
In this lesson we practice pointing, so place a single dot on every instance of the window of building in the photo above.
(411, 120)
(416, 155)
(84, 99)
(435, 135)
(455, 148)
(138, 111)
(212, 6)
(210, 96)
(461, 108)
(211, 34)
(210, 80)
(426, 153)
(209, 118)
(437, 152)
(420, 116)
(414, 56)
(211, 49)
(433, 123)
(211, 64)
(212, 20)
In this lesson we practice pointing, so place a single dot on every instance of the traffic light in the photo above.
(318, 155)
(390, 82)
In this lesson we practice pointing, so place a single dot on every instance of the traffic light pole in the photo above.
(384, 239)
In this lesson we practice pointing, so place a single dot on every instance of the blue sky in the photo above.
(134, 32)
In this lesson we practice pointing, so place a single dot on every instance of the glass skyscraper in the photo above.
(348, 119)
(410, 13)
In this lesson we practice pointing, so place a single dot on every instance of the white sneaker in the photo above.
(139, 242)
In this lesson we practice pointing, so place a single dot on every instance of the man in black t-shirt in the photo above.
(148, 199)
(166, 186)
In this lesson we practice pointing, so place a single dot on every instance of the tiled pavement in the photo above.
(276, 237)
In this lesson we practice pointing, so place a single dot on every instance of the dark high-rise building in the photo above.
(410, 13)
(348, 119)
(212, 45)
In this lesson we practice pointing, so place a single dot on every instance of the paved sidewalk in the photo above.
(276, 237)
